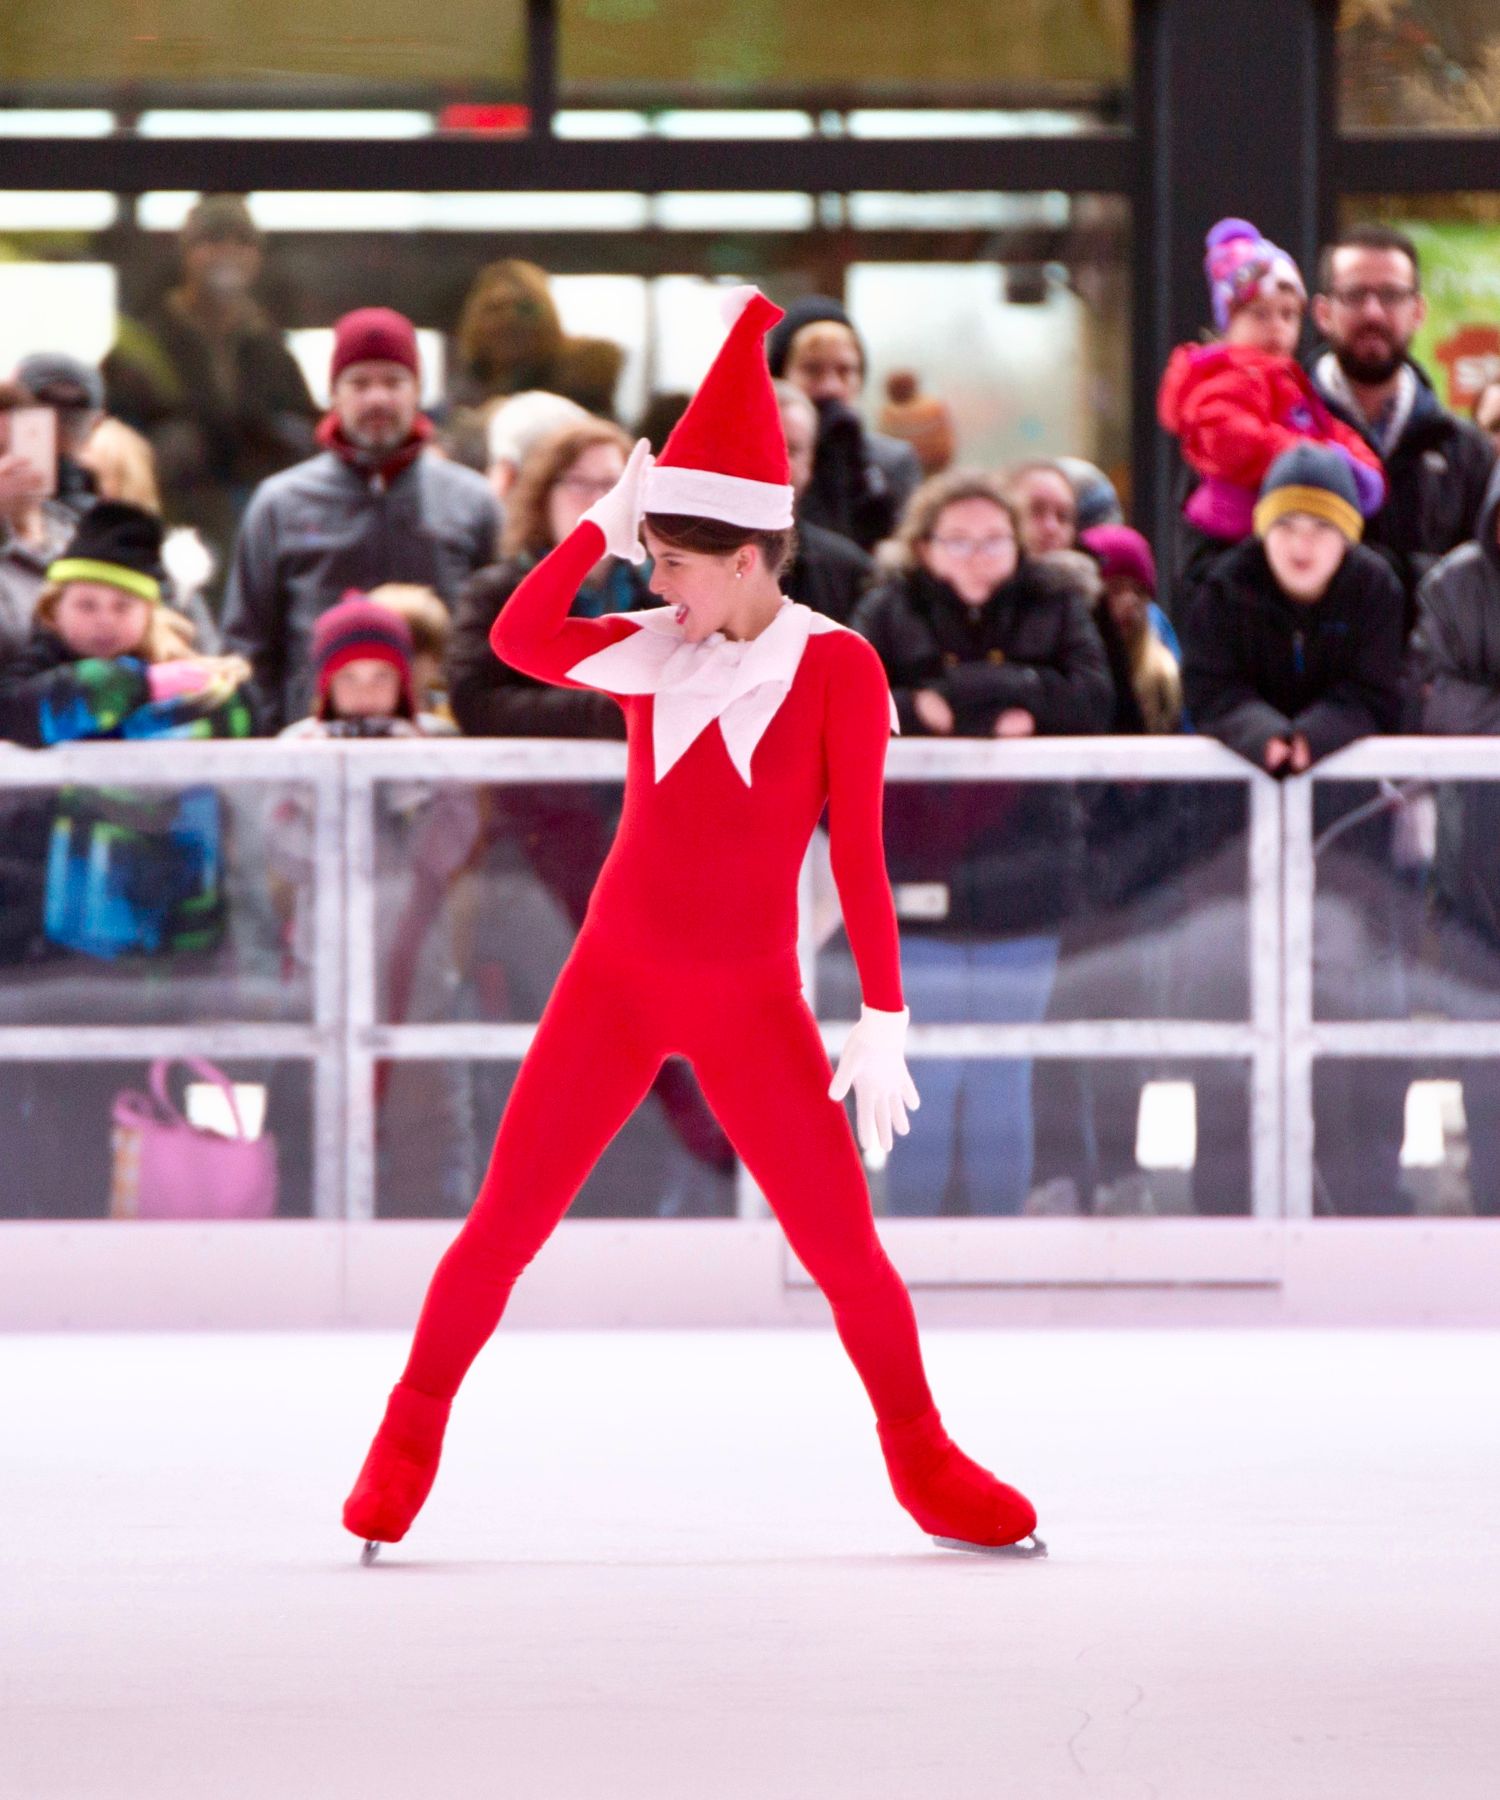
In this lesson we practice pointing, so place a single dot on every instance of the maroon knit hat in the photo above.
(1120, 551)
(373, 334)
(359, 627)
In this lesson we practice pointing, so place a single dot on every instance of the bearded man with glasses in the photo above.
(1369, 308)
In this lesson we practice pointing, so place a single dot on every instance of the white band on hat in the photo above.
(705, 494)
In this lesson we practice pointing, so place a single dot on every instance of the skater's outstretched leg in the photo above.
(767, 1081)
(946, 1492)
(594, 1057)
(400, 1469)
(769, 1088)
(592, 1060)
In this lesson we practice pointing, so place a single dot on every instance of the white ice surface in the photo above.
(667, 1567)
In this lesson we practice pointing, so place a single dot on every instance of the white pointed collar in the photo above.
(741, 684)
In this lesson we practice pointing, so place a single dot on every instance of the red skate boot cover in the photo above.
(947, 1493)
(399, 1471)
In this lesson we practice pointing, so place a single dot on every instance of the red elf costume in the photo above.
(689, 948)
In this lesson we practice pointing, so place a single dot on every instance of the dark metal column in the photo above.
(541, 64)
(1234, 103)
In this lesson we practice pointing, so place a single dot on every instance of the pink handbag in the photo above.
(165, 1168)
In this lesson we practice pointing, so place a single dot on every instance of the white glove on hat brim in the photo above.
(618, 514)
(873, 1063)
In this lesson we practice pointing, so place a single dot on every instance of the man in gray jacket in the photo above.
(1455, 669)
(375, 505)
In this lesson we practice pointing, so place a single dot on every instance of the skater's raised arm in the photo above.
(857, 733)
(873, 1063)
(533, 632)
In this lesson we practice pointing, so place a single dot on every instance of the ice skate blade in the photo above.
(370, 1552)
(1031, 1545)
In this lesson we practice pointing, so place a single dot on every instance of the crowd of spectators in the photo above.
(1334, 573)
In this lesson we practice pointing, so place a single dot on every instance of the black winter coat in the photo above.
(993, 858)
(1455, 671)
(1257, 665)
(1437, 476)
(829, 573)
(1455, 653)
(861, 479)
(491, 699)
(1033, 644)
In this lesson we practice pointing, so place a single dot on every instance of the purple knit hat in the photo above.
(1120, 551)
(1241, 264)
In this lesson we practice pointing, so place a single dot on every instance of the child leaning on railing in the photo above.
(110, 872)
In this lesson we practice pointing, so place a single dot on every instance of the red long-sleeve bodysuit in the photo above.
(689, 948)
(704, 868)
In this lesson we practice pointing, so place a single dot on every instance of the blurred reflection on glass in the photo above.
(1064, 54)
(1418, 65)
(246, 959)
(1026, 347)
(480, 931)
(436, 1122)
(480, 891)
(1174, 1141)
(1371, 848)
(1459, 973)
(205, 375)
(55, 1131)
(218, 53)
(1128, 900)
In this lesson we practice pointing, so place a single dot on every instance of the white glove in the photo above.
(618, 514)
(874, 1065)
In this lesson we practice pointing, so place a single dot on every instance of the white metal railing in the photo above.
(343, 1039)
(1401, 766)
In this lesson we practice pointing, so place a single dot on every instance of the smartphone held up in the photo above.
(29, 435)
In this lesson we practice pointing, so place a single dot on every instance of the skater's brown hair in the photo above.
(712, 537)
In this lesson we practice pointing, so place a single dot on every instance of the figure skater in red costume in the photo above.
(745, 715)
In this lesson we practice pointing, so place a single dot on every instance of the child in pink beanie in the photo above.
(1237, 403)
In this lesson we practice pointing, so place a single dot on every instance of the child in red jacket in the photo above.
(1239, 402)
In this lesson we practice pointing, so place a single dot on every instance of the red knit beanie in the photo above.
(373, 334)
(357, 628)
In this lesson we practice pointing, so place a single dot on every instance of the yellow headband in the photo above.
(1322, 503)
(83, 568)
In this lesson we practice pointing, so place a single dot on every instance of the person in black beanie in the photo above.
(861, 480)
(106, 657)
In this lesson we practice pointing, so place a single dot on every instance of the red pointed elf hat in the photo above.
(726, 457)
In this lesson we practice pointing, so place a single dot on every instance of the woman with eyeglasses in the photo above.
(558, 482)
(980, 640)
